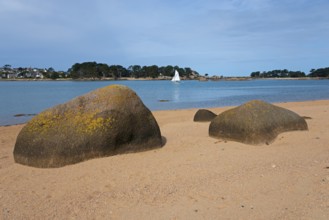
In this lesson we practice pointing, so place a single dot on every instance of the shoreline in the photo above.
(184, 109)
(193, 176)
(201, 79)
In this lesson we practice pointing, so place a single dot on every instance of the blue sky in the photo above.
(218, 37)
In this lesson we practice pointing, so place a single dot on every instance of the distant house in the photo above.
(39, 76)
(11, 75)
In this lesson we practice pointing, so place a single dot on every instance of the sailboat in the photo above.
(176, 77)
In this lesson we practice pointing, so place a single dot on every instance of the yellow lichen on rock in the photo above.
(84, 122)
(87, 123)
(43, 122)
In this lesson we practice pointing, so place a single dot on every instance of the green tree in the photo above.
(135, 71)
(322, 72)
(103, 70)
(95, 70)
(277, 73)
(188, 71)
(168, 71)
(295, 74)
(54, 75)
(85, 70)
(151, 71)
(7, 67)
(255, 74)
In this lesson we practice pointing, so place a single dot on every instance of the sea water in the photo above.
(32, 97)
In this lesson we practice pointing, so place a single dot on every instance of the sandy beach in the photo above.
(193, 176)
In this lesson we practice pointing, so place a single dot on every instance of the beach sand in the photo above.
(193, 176)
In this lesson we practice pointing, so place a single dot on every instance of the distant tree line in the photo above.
(101, 70)
(322, 72)
(277, 74)
(93, 70)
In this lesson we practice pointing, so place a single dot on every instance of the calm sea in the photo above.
(32, 97)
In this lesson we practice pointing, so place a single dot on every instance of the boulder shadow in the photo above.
(164, 141)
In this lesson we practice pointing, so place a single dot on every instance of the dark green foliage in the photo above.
(255, 122)
(322, 72)
(150, 71)
(95, 70)
(135, 71)
(7, 67)
(54, 75)
(167, 71)
(277, 74)
(88, 70)
(117, 71)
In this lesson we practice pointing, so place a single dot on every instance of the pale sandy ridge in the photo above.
(192, 177)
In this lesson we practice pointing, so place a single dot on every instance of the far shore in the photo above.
(242, 78)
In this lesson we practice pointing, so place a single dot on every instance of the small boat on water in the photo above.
(176, 77)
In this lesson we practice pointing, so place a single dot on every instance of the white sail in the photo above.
(176, 77)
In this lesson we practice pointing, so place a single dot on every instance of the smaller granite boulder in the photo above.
(104, 122)
(204, 115)
(255, 122)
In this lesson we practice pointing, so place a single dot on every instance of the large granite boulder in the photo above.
(255, 122)
(204, 115)
(104, 122)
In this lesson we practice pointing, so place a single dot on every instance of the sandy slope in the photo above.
(192, 177)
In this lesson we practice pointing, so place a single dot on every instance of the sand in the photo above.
(192, 177)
